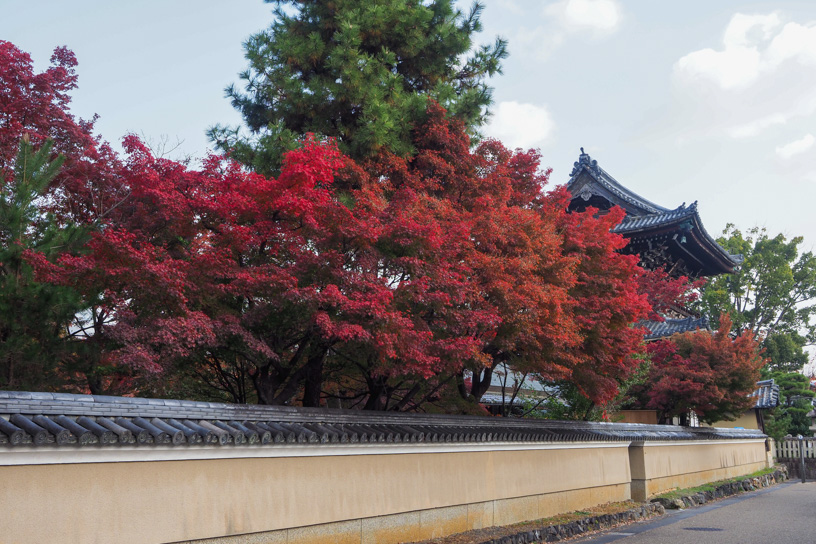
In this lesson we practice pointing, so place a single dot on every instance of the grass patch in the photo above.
(601, 509)
(679, 493)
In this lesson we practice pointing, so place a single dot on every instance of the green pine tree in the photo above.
(795, 398)
(34, 315)
(360, 72)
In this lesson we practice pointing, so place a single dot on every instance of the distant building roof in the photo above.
(766, 395)
(495, 399)
(662, 329)
(504, 376)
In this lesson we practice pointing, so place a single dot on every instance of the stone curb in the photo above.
(725, 490)
(555, 533)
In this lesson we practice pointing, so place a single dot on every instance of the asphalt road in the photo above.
(783, 514)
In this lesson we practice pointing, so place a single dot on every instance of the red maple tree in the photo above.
(384, 282)
(501, 276)
(38, 105)
(709, 373)
(667, 293)
(608, 303)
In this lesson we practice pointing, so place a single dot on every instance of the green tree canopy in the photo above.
(360, 72)
(795, 397)
(772, 294)
(784, 351)
(34, 315)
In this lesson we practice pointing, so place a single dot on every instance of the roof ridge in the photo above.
(587, 163)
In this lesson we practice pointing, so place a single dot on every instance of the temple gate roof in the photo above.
(674, 239)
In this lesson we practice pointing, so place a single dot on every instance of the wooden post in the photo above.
(802, 456)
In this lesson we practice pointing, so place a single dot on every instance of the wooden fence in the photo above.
(788, 448)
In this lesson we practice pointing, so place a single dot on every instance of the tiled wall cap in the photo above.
(61, 419)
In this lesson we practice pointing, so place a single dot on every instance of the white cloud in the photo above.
(521, 125)
(729, 69)
(796, 147)
(796, 42)
(593, 18)
(749, 30)
(759, 84)
(755, 128)
(753, 46)
(601, 16)
(740, 62)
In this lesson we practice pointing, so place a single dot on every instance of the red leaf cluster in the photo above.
(37, 105)
(667, 293)
(396, 274)
(710, 374)
(607, 303)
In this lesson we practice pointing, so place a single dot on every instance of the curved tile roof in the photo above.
(766, 395)
(589, 165)
(642, 214)
(632, 223)
(658, 329)
(62, 420)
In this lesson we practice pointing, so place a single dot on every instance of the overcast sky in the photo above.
(680, 101)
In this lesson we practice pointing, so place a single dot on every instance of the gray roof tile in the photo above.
(110, 421)
(662, 329)
(766, 395)
(586, 163)
(646, 214)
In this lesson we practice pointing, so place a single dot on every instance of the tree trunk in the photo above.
(313, 383)
(266, 384)
(409, 396)
(481, 382)
(376, 393)
(95, 383)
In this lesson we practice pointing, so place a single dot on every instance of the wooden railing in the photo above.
(788, 448)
